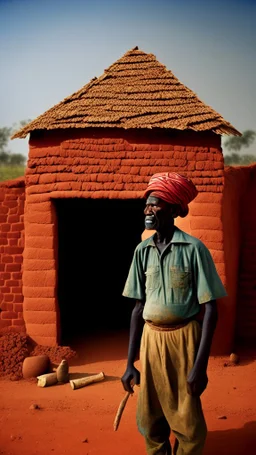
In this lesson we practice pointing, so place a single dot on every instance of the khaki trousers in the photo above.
(163, 402)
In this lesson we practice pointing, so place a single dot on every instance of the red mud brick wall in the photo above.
(108, 164)
(204, 221)
(236, 180)
(116, 163)
(12, 196)
(40, 271)
(246, 305)
(237, 311)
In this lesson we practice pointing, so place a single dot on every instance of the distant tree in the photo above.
(238, 142)
(6, 156)
(17, 159)
(234, 159)
(5, 134)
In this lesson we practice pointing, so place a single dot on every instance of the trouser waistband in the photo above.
(168, 327)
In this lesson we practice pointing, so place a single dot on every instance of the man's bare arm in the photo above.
(136, 328)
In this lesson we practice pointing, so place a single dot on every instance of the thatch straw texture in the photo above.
(135, 92)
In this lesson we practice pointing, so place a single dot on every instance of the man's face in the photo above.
(157, 213)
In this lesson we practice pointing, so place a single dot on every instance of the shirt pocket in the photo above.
(152, 278)
(180, 284)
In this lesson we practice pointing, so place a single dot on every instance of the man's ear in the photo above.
(175, 211)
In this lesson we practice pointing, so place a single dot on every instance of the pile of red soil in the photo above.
(56, 353)
(13, 350)
(15, 347)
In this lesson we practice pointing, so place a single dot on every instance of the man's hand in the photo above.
(130, 377)
(196, 382)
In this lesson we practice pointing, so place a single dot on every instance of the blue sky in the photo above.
(49, 49)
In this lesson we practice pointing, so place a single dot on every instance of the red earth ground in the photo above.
(80, 422)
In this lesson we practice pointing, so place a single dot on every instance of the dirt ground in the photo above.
(80, 422)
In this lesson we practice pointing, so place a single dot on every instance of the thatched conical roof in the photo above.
(134, 92)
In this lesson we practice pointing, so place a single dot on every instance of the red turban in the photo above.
(172, 188)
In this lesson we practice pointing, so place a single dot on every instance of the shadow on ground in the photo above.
(100, 347)
(240, 441)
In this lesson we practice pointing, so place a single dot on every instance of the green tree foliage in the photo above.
(237, 143)
(12, 165)
(7, 158)
(239, 160)
(5, 134)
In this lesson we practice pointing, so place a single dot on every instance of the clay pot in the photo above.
(35, 366)
(62, 371)
(234, 358)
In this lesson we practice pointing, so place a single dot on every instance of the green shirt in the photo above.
(174, 283)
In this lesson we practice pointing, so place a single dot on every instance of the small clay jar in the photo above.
(62, 371)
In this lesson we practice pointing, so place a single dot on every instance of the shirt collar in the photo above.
(178, 237)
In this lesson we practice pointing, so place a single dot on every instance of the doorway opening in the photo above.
(96, 241)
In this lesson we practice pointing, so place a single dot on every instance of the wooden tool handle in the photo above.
(82, 382)
(47, 379)
(120, 410)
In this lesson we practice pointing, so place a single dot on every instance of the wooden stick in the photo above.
(120, 410)
(47, 379)
(82, 382)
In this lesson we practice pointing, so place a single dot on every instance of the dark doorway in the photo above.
(96, 240)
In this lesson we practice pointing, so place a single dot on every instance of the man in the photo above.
(171, 276)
